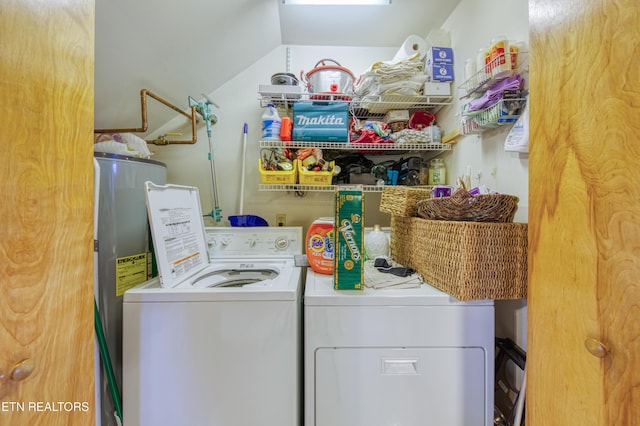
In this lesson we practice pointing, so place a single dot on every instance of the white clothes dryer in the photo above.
(215, 340)
(396, 357)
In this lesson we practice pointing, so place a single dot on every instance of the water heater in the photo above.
(123, 251)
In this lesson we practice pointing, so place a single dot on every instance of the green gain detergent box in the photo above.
(348, 266)
(319, 121)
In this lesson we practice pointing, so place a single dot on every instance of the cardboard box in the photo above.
(348, 268)
(439, 55)
(396, 115)
(321, 121)
(439, 72)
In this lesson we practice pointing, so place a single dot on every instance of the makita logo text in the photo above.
(323, 120)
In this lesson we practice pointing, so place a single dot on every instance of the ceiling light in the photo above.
(338, 2)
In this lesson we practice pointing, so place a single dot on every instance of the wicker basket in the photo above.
(466, 207)
(467, 260)
(402, 200)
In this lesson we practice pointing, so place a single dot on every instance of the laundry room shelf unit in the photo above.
(372, 107)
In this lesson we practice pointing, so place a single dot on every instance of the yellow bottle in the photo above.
(500, 56)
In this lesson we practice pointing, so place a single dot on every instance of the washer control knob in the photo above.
(282, 243)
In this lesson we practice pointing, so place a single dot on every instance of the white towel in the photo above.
(378, 280)
(123, 144)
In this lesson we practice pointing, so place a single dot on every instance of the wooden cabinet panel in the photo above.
(584, 223)
(46, 237)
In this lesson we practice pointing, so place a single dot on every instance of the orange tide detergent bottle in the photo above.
(320, 243)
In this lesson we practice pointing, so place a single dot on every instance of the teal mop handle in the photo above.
(106, 361)
(209, 119)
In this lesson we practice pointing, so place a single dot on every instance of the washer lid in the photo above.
(178, 232)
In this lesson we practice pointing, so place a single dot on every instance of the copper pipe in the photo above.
(162, 140)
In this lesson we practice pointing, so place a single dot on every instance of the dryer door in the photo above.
(404, 386)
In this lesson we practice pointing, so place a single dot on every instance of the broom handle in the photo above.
(244, 160)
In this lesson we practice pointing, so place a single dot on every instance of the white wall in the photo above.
(471, 25)
(239, 103)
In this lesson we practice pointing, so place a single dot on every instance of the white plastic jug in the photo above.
(271, 123)
(376, 243)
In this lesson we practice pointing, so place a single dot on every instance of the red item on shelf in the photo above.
(286, 125)
(421, 119)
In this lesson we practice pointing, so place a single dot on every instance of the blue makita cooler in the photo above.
(321, 121)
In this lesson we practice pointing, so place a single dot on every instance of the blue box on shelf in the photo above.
(440, 72)
(321, 121)
(439, 55)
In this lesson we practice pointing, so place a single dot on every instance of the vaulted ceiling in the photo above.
(191, 47)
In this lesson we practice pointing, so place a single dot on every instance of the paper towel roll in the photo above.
(412, 45)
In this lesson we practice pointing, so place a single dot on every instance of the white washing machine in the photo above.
(215, 340)
(403, 357)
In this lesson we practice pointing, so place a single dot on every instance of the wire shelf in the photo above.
(365, 107)
(347, 146)
(506, 111)
(481, 80)
(323, 188)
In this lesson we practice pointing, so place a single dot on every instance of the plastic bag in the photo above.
(518, 138)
